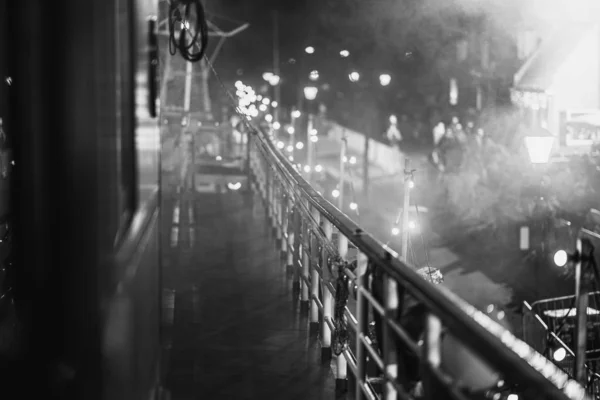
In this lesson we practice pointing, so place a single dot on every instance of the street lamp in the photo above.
(344, 53)
(539, 146)
(309, 50)
(354, 76)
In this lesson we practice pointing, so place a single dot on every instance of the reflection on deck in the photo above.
(232, 324)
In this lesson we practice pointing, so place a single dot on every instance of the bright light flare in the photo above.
(412, 225)
(274, 80)
(354, 76)
(539, 148)
(289, 149)
(560, 258)
(296, 114)
(353, 206)
(266, 101)
(411, 184)
(313, 132)
(559, 354)
(385, 79)
(280, 145)
(268, 118)
(344, 53)
(395, 231)
(274, 104)
(267, 76)
(262, 108)
(314, 139)
(512, 396)
(335, 193)
(218, 158)
(234, 186)
(276, 125)
(352, 160)
(291, 130)
(314, 75)
(318, 168)
(310, 92)
(299, 145)
(309, 50)
(307, 168)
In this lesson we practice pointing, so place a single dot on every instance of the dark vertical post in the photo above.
(363, 330)
(584, 249)
(193, 163)
(276, 71)
(366, 168)
(297, 243)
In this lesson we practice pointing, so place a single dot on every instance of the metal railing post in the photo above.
(342, 363)
(306, 236)
(327, 299)
(362, 331)
(297, 244)
(432, 354)
(291, 248)
(279, 210)
(390, 355)
(581, 306)
(314, 279)
(268, 190)
(284, 223)
(276, 193)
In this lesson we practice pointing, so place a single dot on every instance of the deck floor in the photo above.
(232, 323)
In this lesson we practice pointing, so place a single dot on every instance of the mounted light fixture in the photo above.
(539, 146)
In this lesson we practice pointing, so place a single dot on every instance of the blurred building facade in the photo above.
(557, 87)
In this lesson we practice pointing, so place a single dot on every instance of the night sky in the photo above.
(252, 50)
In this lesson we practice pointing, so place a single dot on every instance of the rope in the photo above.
(181, 11)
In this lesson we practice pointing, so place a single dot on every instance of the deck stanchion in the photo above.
(432, 354)
(305, 264)
(269, 189)
(314, 280)
(274, 197)
(327, 299)
(284, 224)
(297, 244)
(279, 211)
(362, 308)
(342, 364)
(390, 355)
(289, 261)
